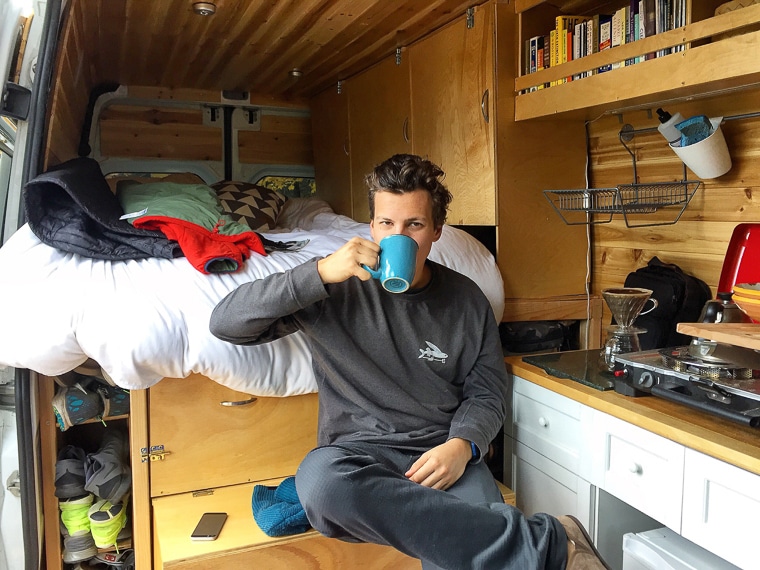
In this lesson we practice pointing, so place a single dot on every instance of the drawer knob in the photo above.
(634, 468)
(543, 422)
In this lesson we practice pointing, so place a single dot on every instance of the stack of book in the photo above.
(574, 37)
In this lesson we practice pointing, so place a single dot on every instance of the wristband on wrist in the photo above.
(475, 451)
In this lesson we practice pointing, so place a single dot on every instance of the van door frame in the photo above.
(31, 139)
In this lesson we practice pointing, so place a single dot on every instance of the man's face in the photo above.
(410, 214)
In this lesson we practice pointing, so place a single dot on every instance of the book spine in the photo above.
(617, 32)
(589, 33)
(649, 23)
(554, 51)
(605, 37)
(631, 13)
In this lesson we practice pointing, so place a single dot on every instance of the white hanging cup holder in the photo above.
(709, 157)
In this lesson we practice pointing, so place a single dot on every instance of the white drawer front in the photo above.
(548, 423)
(542, 486)
(721, 509)
(640, 468)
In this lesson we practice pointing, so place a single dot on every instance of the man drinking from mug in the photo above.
(412, 389)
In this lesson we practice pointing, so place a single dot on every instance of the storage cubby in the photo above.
(87, 435)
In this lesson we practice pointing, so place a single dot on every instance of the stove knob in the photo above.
(646, 379)
(621, 373)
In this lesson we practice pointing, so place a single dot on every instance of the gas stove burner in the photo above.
(679, 360)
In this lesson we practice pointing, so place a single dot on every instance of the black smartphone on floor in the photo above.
(209, 527)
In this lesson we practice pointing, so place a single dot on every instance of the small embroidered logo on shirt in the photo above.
(432, 353)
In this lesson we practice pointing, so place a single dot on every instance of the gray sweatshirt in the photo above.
(411, 370)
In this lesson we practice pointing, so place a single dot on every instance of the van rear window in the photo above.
(290, 186)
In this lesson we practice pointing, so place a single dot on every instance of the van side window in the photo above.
(290, 186)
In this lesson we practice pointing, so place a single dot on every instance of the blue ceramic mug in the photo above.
(397, 263)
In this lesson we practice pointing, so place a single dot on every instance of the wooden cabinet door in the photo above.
(216, 437)
(453, 113)
(329, 131)
(378, 115)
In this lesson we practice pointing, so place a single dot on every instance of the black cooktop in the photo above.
(579, 365)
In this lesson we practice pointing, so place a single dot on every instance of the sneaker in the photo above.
(69, 472)
(74, 513)
(79, 547)
(74, 404)
(106, 522)
(581, 553)
(116, 559)
(107, 472)
(115, 400)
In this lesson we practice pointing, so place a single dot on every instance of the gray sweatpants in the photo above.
(358, 492)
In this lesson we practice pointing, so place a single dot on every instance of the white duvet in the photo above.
(146, 320)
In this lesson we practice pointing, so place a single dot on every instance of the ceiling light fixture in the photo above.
(204, 8)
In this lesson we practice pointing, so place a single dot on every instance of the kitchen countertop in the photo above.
(579, 365)
(728, 441)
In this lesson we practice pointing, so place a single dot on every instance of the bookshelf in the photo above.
(720, 54)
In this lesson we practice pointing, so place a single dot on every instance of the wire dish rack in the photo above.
(598, 205)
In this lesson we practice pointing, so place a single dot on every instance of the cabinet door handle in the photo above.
(405, 130)
(484, 105)
(230, 404)
(345, 146)
(634, 468)
(543, 422)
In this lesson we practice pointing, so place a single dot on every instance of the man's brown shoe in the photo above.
(581, 554)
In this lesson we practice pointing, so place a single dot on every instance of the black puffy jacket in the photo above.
(71, 208)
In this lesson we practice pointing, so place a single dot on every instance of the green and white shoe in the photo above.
(106, 522)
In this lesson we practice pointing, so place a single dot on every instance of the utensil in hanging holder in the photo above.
(708, 157)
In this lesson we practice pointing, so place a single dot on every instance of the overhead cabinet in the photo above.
(449, 97)
(452, 89)
(332, 160)
(432, 99)
(378, 117)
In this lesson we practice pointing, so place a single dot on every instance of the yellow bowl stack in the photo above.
(747, 297)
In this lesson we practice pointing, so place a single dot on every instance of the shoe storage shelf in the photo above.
(88, 436)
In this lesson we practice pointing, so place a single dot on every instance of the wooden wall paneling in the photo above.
(158, 132)
(74, 77)
(110, 26)
(253, 45)
(332, 163)
(538, 254)
(174, 94)
(698, 241)
(281, 140)
(371, 29)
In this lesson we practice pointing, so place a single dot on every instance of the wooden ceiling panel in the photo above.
(252, 45)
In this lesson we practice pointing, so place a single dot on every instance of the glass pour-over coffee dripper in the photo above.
(626, 304)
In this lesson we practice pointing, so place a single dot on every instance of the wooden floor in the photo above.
(243, 545)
